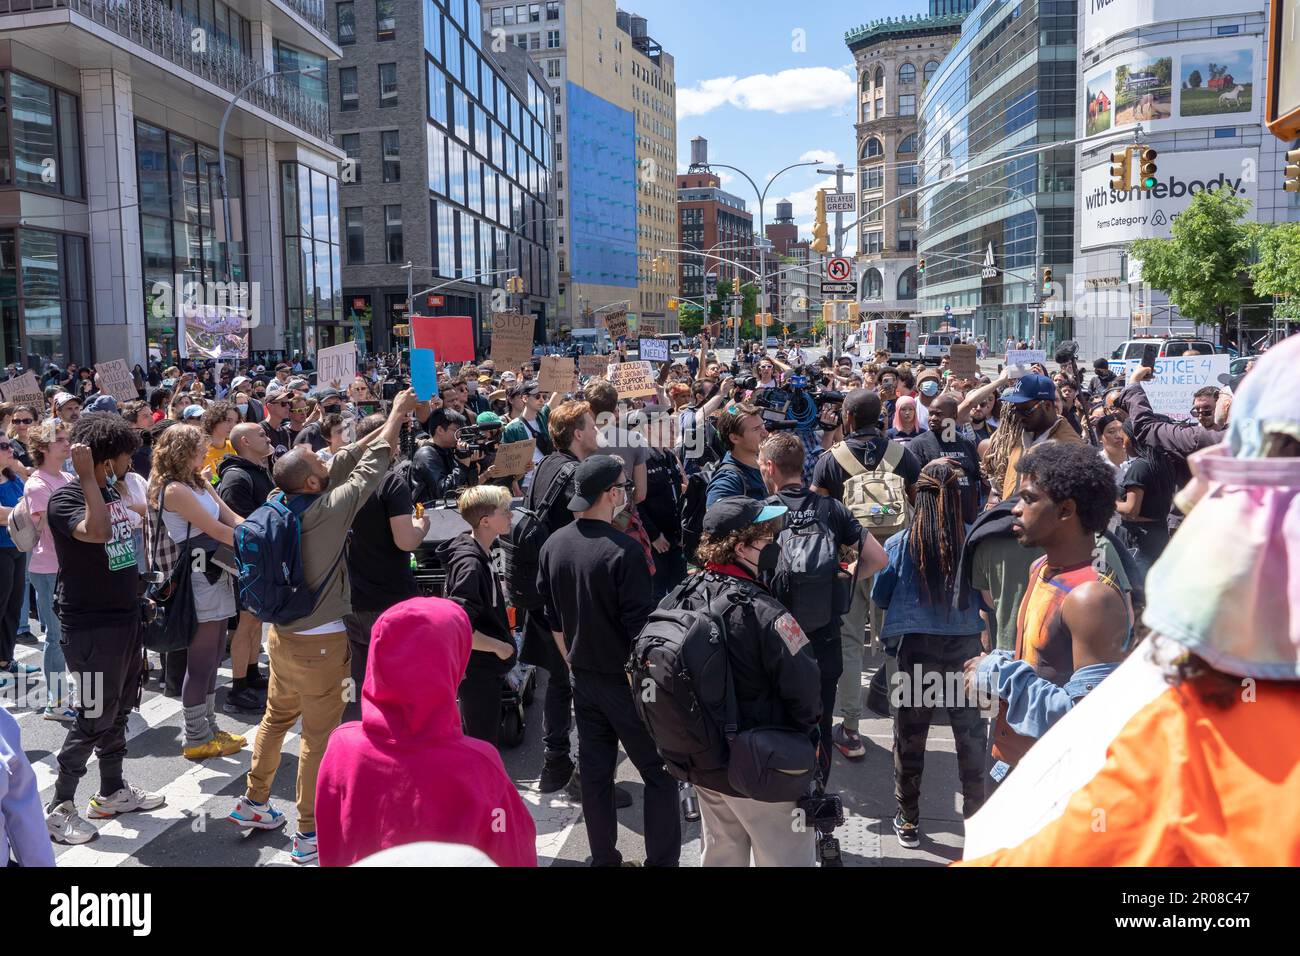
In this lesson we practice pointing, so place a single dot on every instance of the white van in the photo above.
(593, 341)
(896, 336)
(933, 346)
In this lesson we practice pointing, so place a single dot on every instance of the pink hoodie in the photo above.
(405, 772)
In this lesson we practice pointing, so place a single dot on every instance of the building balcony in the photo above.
(152, 33)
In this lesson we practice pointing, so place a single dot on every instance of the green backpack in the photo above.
(877, 497)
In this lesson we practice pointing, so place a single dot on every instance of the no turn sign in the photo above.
(839, 270)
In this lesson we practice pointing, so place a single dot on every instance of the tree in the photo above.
(1203, 267)
(690, 318)
(1276, 269)
(1194, 79)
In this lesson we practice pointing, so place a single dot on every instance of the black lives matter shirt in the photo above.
(98, 583)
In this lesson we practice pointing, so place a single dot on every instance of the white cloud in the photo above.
(790, 91)
(827, 156)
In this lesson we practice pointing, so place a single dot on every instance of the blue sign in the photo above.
(424, 373)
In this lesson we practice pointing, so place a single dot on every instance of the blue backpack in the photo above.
(268, 547)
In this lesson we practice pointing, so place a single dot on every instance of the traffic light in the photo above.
(821, 233)
(1047, 279)
(920, 266)
(1147, 164)
(1291, 174)
(515, 285)
(672, 305)
(1121, 170)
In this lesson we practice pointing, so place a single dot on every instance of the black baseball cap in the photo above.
(327, 394)
(529, 387)
(595, 476)
(733, 514)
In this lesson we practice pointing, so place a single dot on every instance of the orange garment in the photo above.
(1185, 783)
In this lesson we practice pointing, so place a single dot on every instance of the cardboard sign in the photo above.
(338, 363)
(593, 366)
(964, 361)
(24, 390)
(115, 379)
(632, 379)
(512, 340)
(653, 350)
(1176, 381)
(1026, 357)
(513, 459)
(647, 327)
(451, 336)
(424, 373)
(557, 374)
(616, 323)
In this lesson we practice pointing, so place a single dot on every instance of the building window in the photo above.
(553, 10)
(387, 84)
(908, 146)
(312, 257)
(880, 77)
(907, 240)
(873, 285)
(929, 71)
(290, 59)
(391, 143)
(874, 177)
(534, 13)
(496, 17)
(907, 74)
(42, 125)
(907, 174)
(875, 241)
(907, 284)
(552, 39)
(385, 19)
(907, 104)
(354, 227)
(552, 69)
(880, 107)
(351, 145)
(872, 148)
(345, 18)
(907, 207)
(393, 233)
(348, 99)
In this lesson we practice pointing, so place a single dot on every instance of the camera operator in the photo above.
(443, 464)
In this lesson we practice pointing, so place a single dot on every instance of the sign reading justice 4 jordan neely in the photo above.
(1110, 216)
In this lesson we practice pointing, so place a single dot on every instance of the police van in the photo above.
(896, 336)
(933, 346)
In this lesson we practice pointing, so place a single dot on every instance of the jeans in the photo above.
(25, 612)
(56, 682)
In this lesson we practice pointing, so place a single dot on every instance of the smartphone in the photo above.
(1149, 353)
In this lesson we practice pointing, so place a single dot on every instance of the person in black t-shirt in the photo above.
(1145, 494)
(944, 440)
(276, 424)
(97, 601)
(384, 533)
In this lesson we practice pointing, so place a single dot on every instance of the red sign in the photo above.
(358, 303)
(436, 301)
(450, 336)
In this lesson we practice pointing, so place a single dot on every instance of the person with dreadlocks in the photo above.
(932, 640)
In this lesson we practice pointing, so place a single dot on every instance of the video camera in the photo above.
(799, 405)
(484, 438)
(824, 812)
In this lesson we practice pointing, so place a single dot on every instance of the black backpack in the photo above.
(807, 574)
(694, 503)
(521, 549)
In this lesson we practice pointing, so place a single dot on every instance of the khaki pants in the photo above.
(309, 675)
(735, 827)
(852, 640)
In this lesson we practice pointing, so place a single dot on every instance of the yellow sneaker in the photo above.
(213, 748)
(230, 743)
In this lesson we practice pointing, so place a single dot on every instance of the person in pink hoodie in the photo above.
(405, 772)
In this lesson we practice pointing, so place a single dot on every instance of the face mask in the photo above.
(930, 389)
(110, 479)
(768, 557)
(243, 408)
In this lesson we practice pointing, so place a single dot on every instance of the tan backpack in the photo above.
(877, 497)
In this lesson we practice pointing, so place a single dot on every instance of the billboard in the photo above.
(1104, 19)
(1109, 216)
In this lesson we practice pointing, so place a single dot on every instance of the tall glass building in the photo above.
(1007, 85)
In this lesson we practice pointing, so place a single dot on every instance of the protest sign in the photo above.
(557, 374)
(1026, 357)
(632, 379)
(616, 323)
(24, 390)
(424, 373)
(338, 363)
(1176, 380)
(512, 340)
(512, 459)
(115, 379)
(964, 361)
(653, 350)
(451, 336)
(213, 331)
(647, 327)
(593, 366)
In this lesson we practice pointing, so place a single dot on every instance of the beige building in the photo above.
(615, 94)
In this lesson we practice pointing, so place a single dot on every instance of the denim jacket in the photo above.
(1035, 704)
(898, 591)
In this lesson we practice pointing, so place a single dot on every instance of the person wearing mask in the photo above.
(442, 465)
(861, 413)
(405, 772)
(99, 613)
(944, 440)
(1032, 420)
(931, 639)
(741, 429)
(928, 386)
(312, 691)
(531, 418)
(13, 571)
(216, 423)
(660, 512)
(243, 484)
(598, 595)
(906, 424)
(384, 534)
(329, 402)
(472, 583)
(1102, 378)
(276, 423)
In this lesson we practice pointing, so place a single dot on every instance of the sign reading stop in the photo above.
(839, 269)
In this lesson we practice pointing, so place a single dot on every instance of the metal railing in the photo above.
(168, 34)
(313, 11)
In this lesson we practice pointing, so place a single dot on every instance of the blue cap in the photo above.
(734, 513)
(1030, 388)
(192, 411)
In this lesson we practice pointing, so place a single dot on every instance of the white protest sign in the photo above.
(632, 379)
(24, 390)
(654, 350)
(1026, 357)
(115, 379)
(338, 363)
(1176, 380)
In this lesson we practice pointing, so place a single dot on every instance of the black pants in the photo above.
(539, 649)
(13, 564)
(830, 659)
(359, 624)
(480, 704)
(670, 571)
(107, 662)
(920, 655)
(607, 717)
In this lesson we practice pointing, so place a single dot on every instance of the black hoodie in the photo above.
(473, 585)
(242, 484)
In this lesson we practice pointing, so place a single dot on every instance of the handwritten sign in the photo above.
(557, 374)
(964, 361)
(338, 363)
(654, 350)
(24, 390)
(424, 373)
(115, 379)
(616, 323)
(1176, 381)
(1026, 357)
(593, 366)
(513, 459)
(512, 340)
(647, 327)
(632, 379)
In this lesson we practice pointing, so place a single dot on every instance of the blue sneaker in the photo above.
(13, 667)
(256, 816)
(304, 847)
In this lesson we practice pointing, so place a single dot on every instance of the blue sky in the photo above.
(763, 94)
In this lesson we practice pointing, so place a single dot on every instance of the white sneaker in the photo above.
(255, 816)
(304, 848)
(66, 826)
(126, 800)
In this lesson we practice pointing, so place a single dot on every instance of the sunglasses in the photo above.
(23, 421)
(5, 446)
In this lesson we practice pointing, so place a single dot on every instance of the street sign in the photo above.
(839, 269)
(840, 202)
(840, 288)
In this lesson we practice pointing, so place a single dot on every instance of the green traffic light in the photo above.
(1149, 182)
